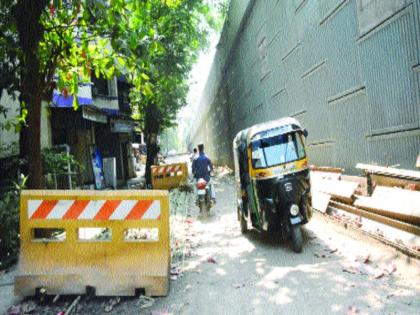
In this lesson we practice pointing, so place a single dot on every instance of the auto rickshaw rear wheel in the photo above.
(297, 238)
(243, 222)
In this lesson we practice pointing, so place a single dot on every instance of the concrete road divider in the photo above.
(113, 241)
(169, 176)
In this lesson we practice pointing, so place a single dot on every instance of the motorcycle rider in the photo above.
(201, 168)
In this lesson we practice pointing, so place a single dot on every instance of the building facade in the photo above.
(102, 122)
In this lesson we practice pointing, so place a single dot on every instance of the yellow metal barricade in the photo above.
(131, 252)
(169, 176)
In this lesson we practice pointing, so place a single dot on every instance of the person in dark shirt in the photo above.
(201, 168)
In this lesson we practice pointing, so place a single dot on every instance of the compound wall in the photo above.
(349, 70)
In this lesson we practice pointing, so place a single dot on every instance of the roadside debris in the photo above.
(379, 274)
(145, 302)
(332, 250)
(364, 259)
(362, 266)
(72, 305)
(211, 260)
(391, 268)
(318, 255)
(352, 310)
(28, 307)
(175, 272)
(14, 310)
(223, 171)
(384, 195)
(111, 303)
(41, 295)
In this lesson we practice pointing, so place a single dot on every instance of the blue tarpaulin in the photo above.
(67, 102)
(60, 100)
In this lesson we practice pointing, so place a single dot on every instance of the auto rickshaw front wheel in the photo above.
(297, 238)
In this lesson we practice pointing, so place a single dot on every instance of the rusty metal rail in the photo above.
(410, 228)
(403, 249)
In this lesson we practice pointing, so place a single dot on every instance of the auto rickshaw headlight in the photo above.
(294, 210)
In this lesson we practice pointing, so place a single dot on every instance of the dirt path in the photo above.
(254, 275)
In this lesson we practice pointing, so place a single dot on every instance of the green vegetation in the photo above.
(153, 43)
(9, 227)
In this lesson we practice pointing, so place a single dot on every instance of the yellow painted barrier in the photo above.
(169, 176)
(131, 252)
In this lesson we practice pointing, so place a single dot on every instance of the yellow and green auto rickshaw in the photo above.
(272, 178)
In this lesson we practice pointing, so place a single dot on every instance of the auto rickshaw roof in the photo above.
(279, 126)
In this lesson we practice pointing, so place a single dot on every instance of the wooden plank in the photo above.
(336, 188)
(402, 195)
(386, 180)
(325, 175)
(390, 171)
(361, 181)
(379, 218)
(327, 169)
(395, 205)
(320, 201)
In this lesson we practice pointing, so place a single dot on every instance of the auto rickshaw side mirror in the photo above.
(305, 132)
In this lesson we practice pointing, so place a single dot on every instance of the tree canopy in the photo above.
(57, 44)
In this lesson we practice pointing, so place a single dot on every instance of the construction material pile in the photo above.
(386, 195)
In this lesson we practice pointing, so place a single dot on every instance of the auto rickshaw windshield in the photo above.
(276, 150)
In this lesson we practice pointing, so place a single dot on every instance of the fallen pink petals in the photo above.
(379, 274)
(211, 260)
(352, 310)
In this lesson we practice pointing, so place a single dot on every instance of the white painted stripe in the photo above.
(60, 209)
(33, 205)
(91, 209)
(123, 209)
(153, 212)
(161, 169)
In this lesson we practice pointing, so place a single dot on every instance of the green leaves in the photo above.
(145, 76)
(75, 104)
(153, 43)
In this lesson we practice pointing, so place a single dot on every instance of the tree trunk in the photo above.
(152, 127)
(27, 15)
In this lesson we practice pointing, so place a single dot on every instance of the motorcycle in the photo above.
(204, 196)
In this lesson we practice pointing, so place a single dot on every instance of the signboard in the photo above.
(93, 115)
(120, 125)
(96, 160)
